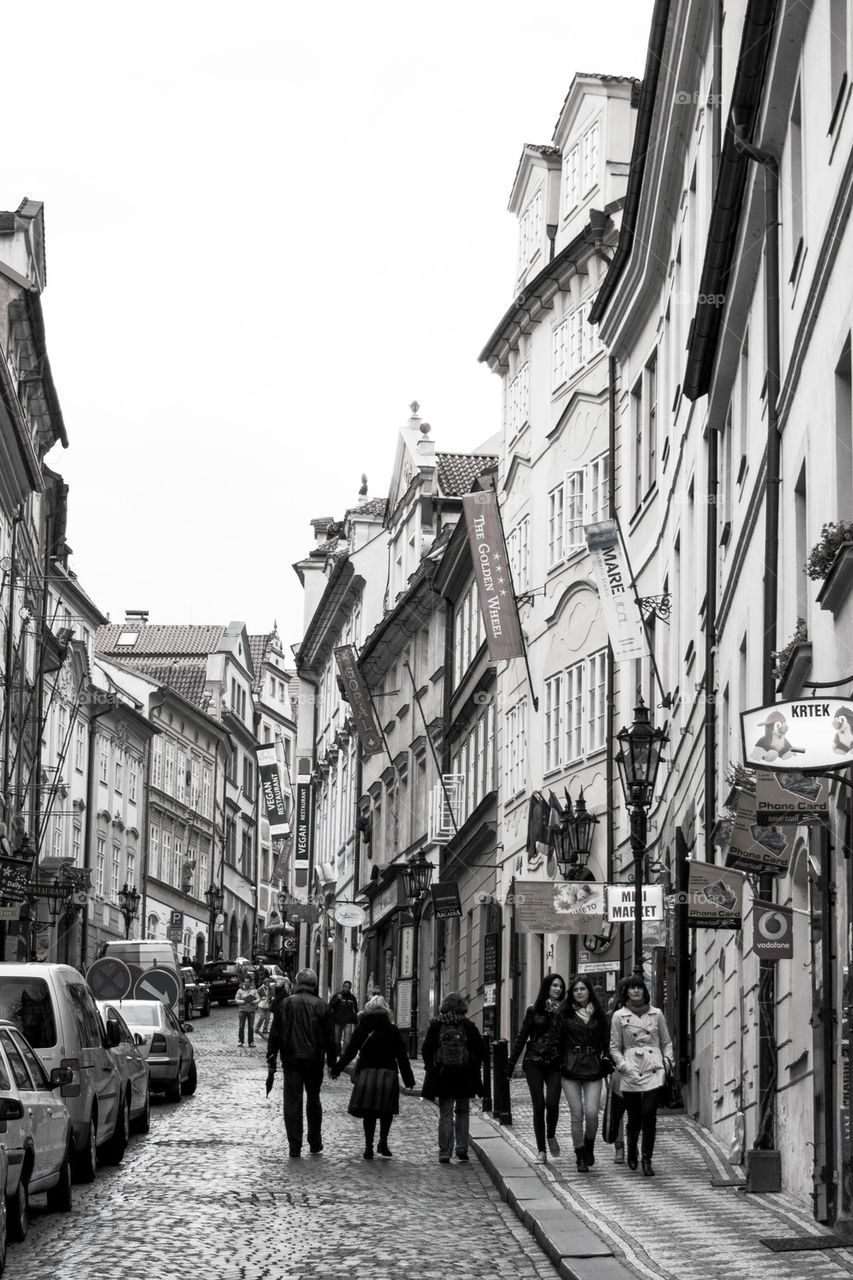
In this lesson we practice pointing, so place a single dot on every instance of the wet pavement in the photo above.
(210, 1191)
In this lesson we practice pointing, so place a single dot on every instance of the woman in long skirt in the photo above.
(382, 1059)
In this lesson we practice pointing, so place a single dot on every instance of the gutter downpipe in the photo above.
(765, 1137)
(612, 806)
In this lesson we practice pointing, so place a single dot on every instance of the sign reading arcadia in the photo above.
(814, 733)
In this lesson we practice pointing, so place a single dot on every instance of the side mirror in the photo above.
(113, 1034)
(138, 1038)
(61, 1076)
(12, 1108)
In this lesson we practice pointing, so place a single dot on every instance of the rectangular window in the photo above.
(157, 764)
(178, 865)
(555, 526)
(552, 721)
(589, 158)
(651, 425)
(195, 774)
(169, 769)
(518, 401)
(154, 852)
(795, 148)
(574, 506)
(573, 714)
(131, 867)
(515, 749)
(57, 842)
(166, 861)
(560, 354)
(101, 857)
(118, 781)
(181, 781)
(207, 794)
(518, 550)
(597, 497)
(132, 781)
(80, 747)
(116, 871)
(596, 701)
(77, 844)
(530, 232)
(571, 178)
(104, 770)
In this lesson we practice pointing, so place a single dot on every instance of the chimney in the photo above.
(135, 617)
(321, 527)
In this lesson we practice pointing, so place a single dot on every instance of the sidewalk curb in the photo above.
(575, 1249)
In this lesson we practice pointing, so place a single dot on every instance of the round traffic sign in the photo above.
(157, 984)
(108, 978)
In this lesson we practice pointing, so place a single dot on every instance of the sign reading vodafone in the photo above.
(772, 931)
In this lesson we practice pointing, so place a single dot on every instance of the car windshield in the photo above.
(141, 1015)
(27, 1003)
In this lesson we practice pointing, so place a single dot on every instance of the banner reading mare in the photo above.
(494, 588)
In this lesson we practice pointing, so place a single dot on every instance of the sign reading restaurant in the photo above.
(813, 733)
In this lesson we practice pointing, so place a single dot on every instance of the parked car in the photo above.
(171, 1059)
(196, 994)
(36, 1134)
(132, 1064)
(222, 978)
(56, 1012)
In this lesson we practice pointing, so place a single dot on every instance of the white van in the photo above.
(143, 954)
(56, 1011)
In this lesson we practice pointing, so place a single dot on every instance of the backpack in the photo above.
(452, 1048)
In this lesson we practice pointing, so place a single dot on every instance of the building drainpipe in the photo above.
(770, 1177)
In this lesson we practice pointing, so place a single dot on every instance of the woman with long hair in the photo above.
(640, 1044)
(539, 1038)
(585, 1041)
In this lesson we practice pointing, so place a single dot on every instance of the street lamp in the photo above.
(214, 897)
(573, 838)
(128, 905)
(417, 878)
(640, 749)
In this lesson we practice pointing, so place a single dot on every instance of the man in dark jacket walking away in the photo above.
(303, 1035)
(344, 1007)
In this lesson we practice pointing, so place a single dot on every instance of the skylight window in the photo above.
(128, 639)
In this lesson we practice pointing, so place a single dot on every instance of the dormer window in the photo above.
(581, 169)
(589, 159)
(530, 232)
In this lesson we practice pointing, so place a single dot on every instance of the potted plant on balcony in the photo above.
(792, 662)
(831, 563)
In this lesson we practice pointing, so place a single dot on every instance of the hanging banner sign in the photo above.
(494, 588)
(714, 896)
(615, 590)
(573, 906)
(285, 846)
(816, 733)
(772, 931)
(304, 815)
(756, 846)
(445, 900)
(269, 775)
(620, 903)
(790, 797)
(358, 696)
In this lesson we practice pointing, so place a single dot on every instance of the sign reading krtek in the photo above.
(815, 733)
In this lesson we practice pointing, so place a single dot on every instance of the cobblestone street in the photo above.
(210, 1191)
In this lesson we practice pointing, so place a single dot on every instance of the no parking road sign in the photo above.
(157, 984)
(108, 978)
(772, 931)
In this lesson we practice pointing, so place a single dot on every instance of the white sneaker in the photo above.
(541, 1158)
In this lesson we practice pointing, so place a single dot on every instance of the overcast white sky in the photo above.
(269, 228)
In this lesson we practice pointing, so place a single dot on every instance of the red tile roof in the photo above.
(157, 641)
(458, 471)
(186, 676)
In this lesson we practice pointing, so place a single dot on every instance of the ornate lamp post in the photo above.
(128, 905)
(214, 898)
(573, 838)
(418, 878)
(640, 749)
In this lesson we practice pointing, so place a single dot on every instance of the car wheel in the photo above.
(190, 1085)
(19, 1211)
(115, 1147)
(85, 1162)
(3, 1233)
(205, 1008)
(173, 1088)
(142, 1123)
(59, 1197)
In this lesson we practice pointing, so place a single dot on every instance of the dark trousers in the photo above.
(641, 1110)
(303, 1074)
(385, 1119)
(544, 1084)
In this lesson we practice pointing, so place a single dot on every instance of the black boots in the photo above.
(648, 1171)
(589, 1151)
(580, 1152)
(631, 1153)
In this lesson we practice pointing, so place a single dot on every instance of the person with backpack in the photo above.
(453, 1052)
(540, 1038)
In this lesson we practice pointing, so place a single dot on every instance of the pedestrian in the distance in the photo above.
(303, 1035)
(344, 1007)
(453, 1053)
(614, 1107)
(382, 1059)
(247, 998)
(539, 1038)
(584, 1064)
(265, 993)
(640, 1044)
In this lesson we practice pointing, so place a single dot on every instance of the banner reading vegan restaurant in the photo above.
(270, 779)
(369, 733)
(814, 733)
(497, 601)
(615, 591)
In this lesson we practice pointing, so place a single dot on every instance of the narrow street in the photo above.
(210, 1191)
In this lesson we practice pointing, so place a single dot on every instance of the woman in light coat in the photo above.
(640, 1044)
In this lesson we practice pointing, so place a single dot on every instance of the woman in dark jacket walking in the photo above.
(585, 1042)
(376, 1085)
(453, 1053)
(540, 1033)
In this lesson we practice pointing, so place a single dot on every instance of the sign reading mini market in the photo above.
(814, 733)
(494, 586)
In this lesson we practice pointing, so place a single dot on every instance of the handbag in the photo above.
(671, 1097)
(352, 1068)
(614, 1110)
